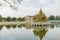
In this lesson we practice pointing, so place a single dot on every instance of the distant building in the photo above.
(29, 18)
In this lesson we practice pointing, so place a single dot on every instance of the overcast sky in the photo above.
(31, 7)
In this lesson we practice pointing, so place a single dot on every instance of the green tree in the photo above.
(23, 19)
(19, 19)
(14, 19)
(8, 19)
(1, 18)
(51, 17)
(4, 18)
(57, 17)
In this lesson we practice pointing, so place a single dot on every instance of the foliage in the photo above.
(11, 19)
(8, 19)
(1, 18)
(23, 19)
(19, 19)
(51, 17)
(57, 17)
(4, 18)
(12, 3)
(14, 19)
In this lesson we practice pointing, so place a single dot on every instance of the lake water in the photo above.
(30, 33)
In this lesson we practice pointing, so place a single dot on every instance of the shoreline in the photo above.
(27, 23)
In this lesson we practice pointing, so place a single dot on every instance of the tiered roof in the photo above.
(40, 17)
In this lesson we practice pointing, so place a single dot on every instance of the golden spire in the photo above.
(40, 17)
(41, 11)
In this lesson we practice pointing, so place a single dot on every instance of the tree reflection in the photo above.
(40, 33)
(8, 26)
(57, 25)
(19, 26)
(14, 26)
(51, 26)
(23, 25)
(1, 26)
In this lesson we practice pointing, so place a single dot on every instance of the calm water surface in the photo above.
(30, 33)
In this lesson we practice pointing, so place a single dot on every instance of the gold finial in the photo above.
(41, 11)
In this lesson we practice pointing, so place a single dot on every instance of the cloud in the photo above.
(53, 9)
(43, 1)
(21, 12)
(31, 7)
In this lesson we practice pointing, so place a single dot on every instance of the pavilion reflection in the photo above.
(35, 27)
(40, 33)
